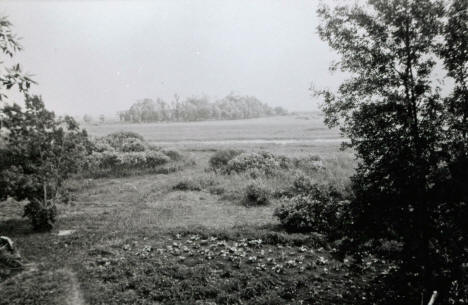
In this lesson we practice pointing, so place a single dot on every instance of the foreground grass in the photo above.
(138, 240)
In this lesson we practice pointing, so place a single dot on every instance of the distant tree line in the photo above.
(231, 107)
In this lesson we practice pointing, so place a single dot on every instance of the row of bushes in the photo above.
(306, 206)
(123, 141)
(236, 161)
(125, 152)
(134, 160)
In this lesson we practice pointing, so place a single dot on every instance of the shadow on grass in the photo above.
(15, 227)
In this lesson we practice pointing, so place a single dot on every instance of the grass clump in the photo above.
(196, 183)
(187, 185)
(256, 194)
(39, 287)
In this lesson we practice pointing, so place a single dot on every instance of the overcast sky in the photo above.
(101, 56)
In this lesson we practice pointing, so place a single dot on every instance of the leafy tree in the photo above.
(40, 153)
(397, 122)
(11, 76)
(453, 193)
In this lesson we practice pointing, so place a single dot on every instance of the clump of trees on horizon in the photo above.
(231, 107)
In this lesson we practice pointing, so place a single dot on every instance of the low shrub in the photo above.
(119, 136)
(133, 145)
(174, 154)
(153, 159)
(42, 216)
(112, 162)
(220, 159)
(187, 185)
(122, 141)
(310, 164)
(256, 194)
(203, 182)
(262, 161)
(315, 208)
(102, 146)
(307, 186)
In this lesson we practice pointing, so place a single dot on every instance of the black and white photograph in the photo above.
(233, 152)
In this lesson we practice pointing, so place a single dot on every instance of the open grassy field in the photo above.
(145, 239)
(290, 135)
(291, 131)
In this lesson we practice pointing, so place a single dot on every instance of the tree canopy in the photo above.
(11, 76)
(231, 107)
(410, 142)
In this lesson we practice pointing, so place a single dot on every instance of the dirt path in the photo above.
(75, 297)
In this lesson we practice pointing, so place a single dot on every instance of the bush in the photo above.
(305, 185)
(175, 155)
(42, 217)
(102, 146)
(124, 138)
(121, 135)
(154, 159)
(256, 194)
(124, 162)
(260, 163)
(263, 161)
(133, 145)
(316, 208)
(221, 158)
(309, 164)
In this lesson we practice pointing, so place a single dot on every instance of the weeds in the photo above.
(193, 268)
(256, 194)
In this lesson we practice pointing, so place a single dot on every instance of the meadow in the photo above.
(306, 128)
(188, 236)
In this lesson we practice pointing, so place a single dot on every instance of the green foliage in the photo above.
(220, 159)
(256, 194)
(38, 288)
(41, 152)
(125, 141)
(228, 268)
(13, 76)
(42, 216)
(120, 163)
(133, 145)
(126, 153)
(263, 161)
(174, 154)
(411, 143)
(198, 109)
(312, 207)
